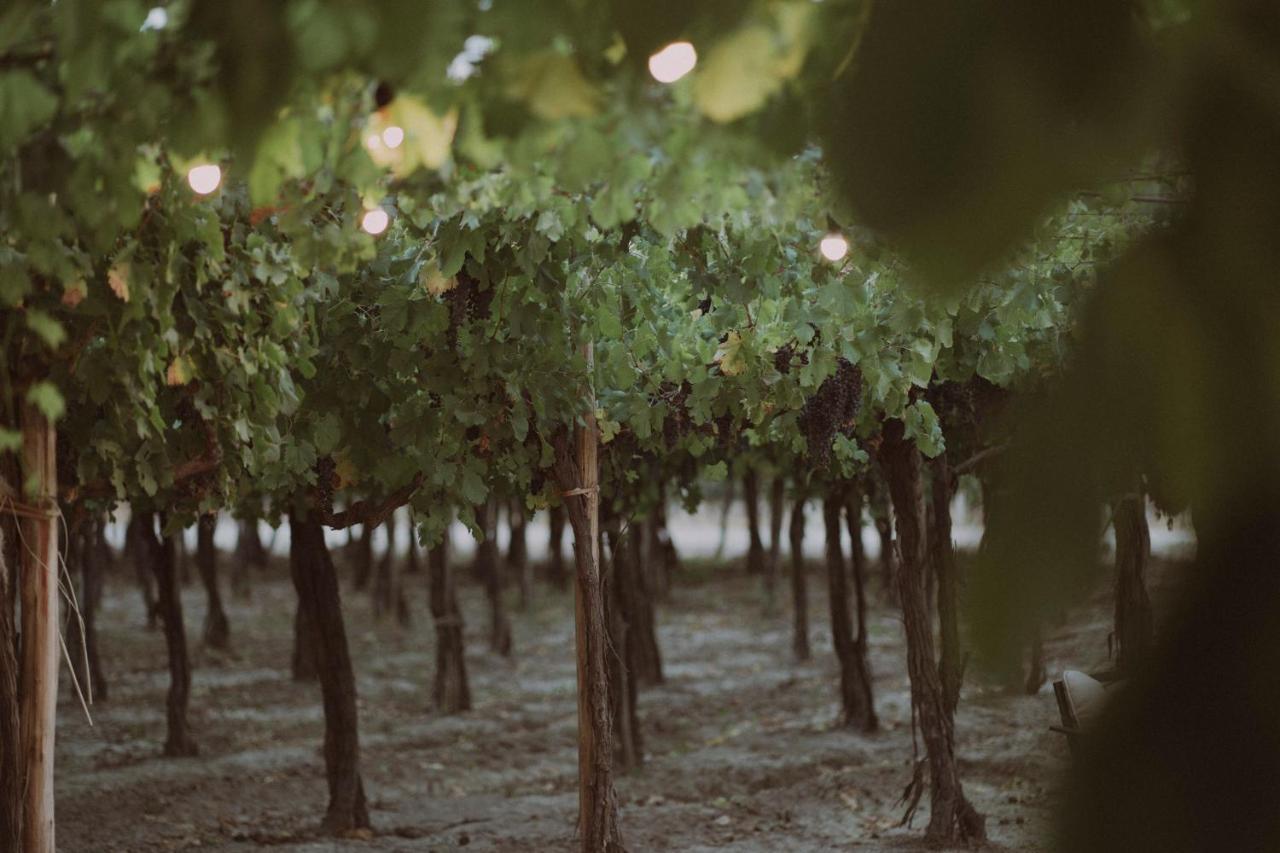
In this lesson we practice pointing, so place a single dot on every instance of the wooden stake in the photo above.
(577, 473)
(39, 667)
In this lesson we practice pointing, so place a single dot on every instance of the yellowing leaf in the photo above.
(748, 66)
(118, 278)
(729, 355)
(345, 470)
(179, 372)
(428, 137)
(435, 282)
(553, 88)
(73, 293)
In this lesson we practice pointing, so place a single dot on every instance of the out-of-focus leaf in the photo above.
(25, 105)
(553, 88)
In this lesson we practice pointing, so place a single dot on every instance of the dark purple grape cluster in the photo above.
(676, 425)
(831, 410)
(728, 433)
(785, 357)
(466, 302)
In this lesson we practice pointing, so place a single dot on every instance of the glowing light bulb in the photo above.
(373, 142)
(375, 221)
(673, 62)
(393, 136)
(834, 247)
(204, 179)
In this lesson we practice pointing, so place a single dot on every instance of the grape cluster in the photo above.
(466, 302)
(831, 410)
(676, 425)
(728, 433)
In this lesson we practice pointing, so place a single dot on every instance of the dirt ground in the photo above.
(741, 744)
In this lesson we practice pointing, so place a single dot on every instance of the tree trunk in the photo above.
(413, 557)
(317, 585)
(799, 583)
(854, 500)
(451, 692)
(490, 574)
(857, 709)
(755, 548)
(881, 515)
(383, 592)
(244, 558)
(777, 494)
(663, 559)
(952, 819)
(555, 568)
(1133, 629)
(518, 551)
(945, 569)
(303, 664)
(364, 558)
(139, 540)
(164, 565)
(85, 570)
(644, 634)
(730, 495)
(181, 560)
(577, 475)
(621, 661)
(249, 549)
(11, 787)
(216, 633)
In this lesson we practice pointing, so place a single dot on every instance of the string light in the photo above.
(204, 179)
(834, 247)
(393, 136)
(373, 142)
(673, 62)
(375, 221)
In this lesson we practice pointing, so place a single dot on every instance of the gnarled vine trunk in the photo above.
(799, 583)
(388, 584)
(555, 545)
(855, 682)
(450, 691)
(777, 507)
(618, 577)
(518, 551)
(952, 819)
(880, 505)
(1133, 628)
(663, 561)
(364, 557)
(755, 548)
(86, 569)
(216, 632)
(854, 500)
(140, 548)
(490, 574)
(639, 609)
(947, 573)
(163, 559)
(316, 582)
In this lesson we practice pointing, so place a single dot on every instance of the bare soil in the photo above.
(742, 748)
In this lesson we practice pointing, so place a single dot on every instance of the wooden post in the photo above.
(577, 473)
(39, 667)
(588, 464)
